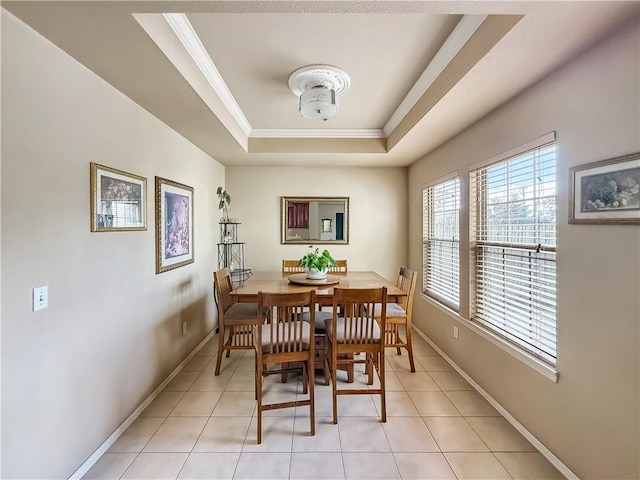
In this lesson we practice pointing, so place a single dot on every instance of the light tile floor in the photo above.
(438, 427)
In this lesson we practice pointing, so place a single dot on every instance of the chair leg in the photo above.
(369, 369)
(410, 348)
(220, 350)
(334, 395)
(312, 408)
(259, 400)
(231, 330)
(396, 338)
(305, 378)
(333, 367)
(326, 371)
(381, 375)
(255, 380)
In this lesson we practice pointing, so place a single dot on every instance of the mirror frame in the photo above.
(284, 203)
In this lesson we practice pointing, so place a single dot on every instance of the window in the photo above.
(441, 242)
(513, 243)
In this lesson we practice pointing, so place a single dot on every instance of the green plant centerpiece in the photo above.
(224, 203)
(316, 263)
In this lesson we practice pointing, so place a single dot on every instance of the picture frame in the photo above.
(118, 200)
(317, 220)
(606, 192)
(174, 225)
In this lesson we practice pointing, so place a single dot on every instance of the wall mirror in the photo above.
(314, 220)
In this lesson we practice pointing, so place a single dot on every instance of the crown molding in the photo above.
(317, 133)
(183, 29)
(463, 31)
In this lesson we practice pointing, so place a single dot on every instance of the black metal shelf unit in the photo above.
(231, 252)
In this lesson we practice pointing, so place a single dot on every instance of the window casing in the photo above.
(513, 249)
(441, 242)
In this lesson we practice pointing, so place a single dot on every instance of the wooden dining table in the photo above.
(278, 282)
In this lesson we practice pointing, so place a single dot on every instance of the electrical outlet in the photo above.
(455, 332)
(40, 298)
(184, 328)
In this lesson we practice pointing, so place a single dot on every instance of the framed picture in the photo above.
(118, 200)
(606, 192)
(174, 225)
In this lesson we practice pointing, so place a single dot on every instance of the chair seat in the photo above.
(283, 336)
(340, 333)
(393, 311)
(241, 314)
(320, 319)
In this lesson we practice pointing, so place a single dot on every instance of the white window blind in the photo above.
(513, 241)
(441, 242)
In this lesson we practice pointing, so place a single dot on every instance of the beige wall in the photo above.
(589, 419)
(377, 213)
(71, 374)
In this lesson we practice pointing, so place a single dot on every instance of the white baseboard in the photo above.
(95, 456)
(562, 468)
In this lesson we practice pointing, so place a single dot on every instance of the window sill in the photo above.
(538, 365)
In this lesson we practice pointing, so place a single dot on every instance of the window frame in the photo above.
(442, 298)
(535, 357)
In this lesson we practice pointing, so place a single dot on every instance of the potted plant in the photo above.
(317, 263)
(224, 203)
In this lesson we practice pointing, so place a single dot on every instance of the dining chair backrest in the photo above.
(357, 306)
(224, 287)
(407, 280)
(341, 267)
(286, 332)
(288, 341)
(291, 266)
(235, 319)
(354, 330)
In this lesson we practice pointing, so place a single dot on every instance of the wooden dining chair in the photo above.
(356, 330)
(235, 319)
(340, 267)
(285, 340)
(400, 314)
(292, 266)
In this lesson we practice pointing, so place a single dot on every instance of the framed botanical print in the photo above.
(607, 191)
(118, 200)
(174, 225)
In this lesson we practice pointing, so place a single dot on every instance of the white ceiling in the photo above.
(421, 71)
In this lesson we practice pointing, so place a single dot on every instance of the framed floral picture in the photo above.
(118, 200)
(174, 225)
(607, 191)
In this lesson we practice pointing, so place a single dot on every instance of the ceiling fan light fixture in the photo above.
(318, 87)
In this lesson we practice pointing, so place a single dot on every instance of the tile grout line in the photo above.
(147, 442)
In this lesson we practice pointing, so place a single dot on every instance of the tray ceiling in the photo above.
(421, 72)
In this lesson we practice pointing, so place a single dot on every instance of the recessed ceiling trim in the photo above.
(463, 31)
(318, 145)
(317, 133)
(183, 29)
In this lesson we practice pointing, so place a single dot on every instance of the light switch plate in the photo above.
(40, 298)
